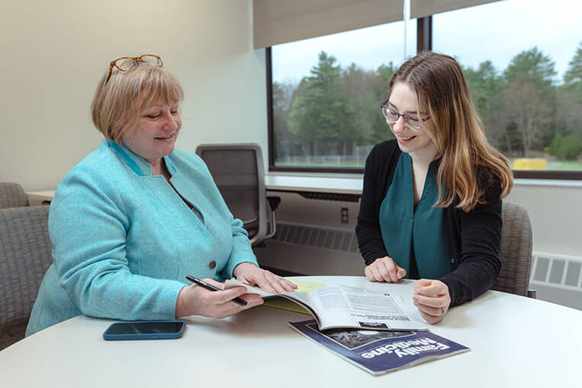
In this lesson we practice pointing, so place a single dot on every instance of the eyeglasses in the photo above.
(124, 64)
(392, 117)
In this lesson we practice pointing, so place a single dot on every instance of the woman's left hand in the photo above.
(253, 275)
(432, 299)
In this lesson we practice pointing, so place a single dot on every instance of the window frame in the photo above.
(423, 42)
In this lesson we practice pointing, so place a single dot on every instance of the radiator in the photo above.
(311, 250)
(557, 278)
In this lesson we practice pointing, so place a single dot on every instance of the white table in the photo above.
(514, 341)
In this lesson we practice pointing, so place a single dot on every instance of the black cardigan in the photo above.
(473, 238)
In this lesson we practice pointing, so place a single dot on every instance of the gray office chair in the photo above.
(516, 251)
(25, 255)
(238, 172)
(12, 195)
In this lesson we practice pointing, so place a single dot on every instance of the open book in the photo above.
(379, 352)
(335, 306)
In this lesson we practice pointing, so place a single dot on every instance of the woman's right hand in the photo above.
(384, 269)
(195, 300)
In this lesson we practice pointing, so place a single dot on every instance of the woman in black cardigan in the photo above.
(431, 202)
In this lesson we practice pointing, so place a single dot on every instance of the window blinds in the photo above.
(282, 21)
(422, 8)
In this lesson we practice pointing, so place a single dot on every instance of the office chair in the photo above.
(238, 172)
(25, 255)
(516, 252)
(12, 195)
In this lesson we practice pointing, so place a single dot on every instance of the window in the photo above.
(327, 93)
(522, 60)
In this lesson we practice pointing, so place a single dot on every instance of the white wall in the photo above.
(54, 52)
(555, 211)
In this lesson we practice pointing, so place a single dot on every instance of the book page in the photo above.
(350, 307)
(301, 297)
(302, 286)
(342, 306)
(297, 301)
(231, 283)
(290, 305)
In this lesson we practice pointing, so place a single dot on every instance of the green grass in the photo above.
(567, 165)
(553, 165)
(322, 165)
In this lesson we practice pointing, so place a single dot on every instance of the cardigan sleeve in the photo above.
(88, 227)
(242, 251)
(376, 180)
(480, 241)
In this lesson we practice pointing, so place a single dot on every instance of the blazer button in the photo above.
(452, 260)
(212, 264)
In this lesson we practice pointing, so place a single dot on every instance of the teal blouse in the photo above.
(414, 234)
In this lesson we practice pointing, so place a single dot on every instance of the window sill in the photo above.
(547, 182)
(315, 182)
(352, 183)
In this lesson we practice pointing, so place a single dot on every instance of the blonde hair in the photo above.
(469, 163)
(119, 98)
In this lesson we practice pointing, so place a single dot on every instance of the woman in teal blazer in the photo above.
(135, 216)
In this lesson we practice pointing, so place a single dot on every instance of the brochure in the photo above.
(379, 352)
(335, 306)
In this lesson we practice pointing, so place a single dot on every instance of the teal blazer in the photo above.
(124, 241)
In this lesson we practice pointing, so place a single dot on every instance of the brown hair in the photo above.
(459, 135)
(119, 99)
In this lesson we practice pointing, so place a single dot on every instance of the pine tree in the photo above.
(573, 75)
(529, 104)
(569, 112)
(320, 116)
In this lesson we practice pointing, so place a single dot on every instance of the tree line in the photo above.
(526, 110)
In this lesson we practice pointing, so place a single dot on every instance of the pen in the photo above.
(203, 284)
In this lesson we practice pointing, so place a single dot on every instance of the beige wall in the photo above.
(54, 52)
(555, 211)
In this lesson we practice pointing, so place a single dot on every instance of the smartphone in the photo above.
(144, 330)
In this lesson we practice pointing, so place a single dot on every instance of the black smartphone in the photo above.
(144, 330)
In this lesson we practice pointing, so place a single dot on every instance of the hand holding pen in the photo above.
(210, 287)
(207, 298)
